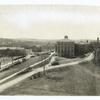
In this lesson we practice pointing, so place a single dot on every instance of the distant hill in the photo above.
(27, 43)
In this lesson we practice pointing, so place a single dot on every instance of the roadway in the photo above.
(47, 67)
(19, 67)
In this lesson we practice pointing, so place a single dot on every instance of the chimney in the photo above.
(97, 39)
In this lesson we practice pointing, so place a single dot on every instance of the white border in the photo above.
(50, 98)
(67, 2)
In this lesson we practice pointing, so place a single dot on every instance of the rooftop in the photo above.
(65, 40)
(12, 48)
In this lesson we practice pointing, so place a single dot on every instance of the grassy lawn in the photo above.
(73, 80)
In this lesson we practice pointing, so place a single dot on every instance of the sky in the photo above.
(78, 20)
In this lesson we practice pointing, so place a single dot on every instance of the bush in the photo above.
(55, 63)
(11, 53)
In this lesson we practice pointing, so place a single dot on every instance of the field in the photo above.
(82, 79)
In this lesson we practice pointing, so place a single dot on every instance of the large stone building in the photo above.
(65, 48)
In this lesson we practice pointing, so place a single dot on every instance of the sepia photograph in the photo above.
(50, 49)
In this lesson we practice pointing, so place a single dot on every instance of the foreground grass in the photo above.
(73, 80)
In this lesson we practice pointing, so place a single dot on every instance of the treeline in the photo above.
(40, 48)
(81, 49)
(12, 53)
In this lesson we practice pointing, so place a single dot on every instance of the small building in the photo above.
(65, 48)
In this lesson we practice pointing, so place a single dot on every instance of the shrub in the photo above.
(55, 63)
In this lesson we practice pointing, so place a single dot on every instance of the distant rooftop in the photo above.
(12, 48)
(65, 39)
(85, 41)
(82, 42)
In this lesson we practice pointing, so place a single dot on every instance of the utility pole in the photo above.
(0, 65)
(98, 40)
(44, 70)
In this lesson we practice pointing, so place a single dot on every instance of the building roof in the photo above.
(65, 40)
(12, 48)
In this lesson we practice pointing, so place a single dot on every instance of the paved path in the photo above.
(23, 77)
(19, 67)
(89, 58)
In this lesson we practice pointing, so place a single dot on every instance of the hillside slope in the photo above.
(82, 79)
